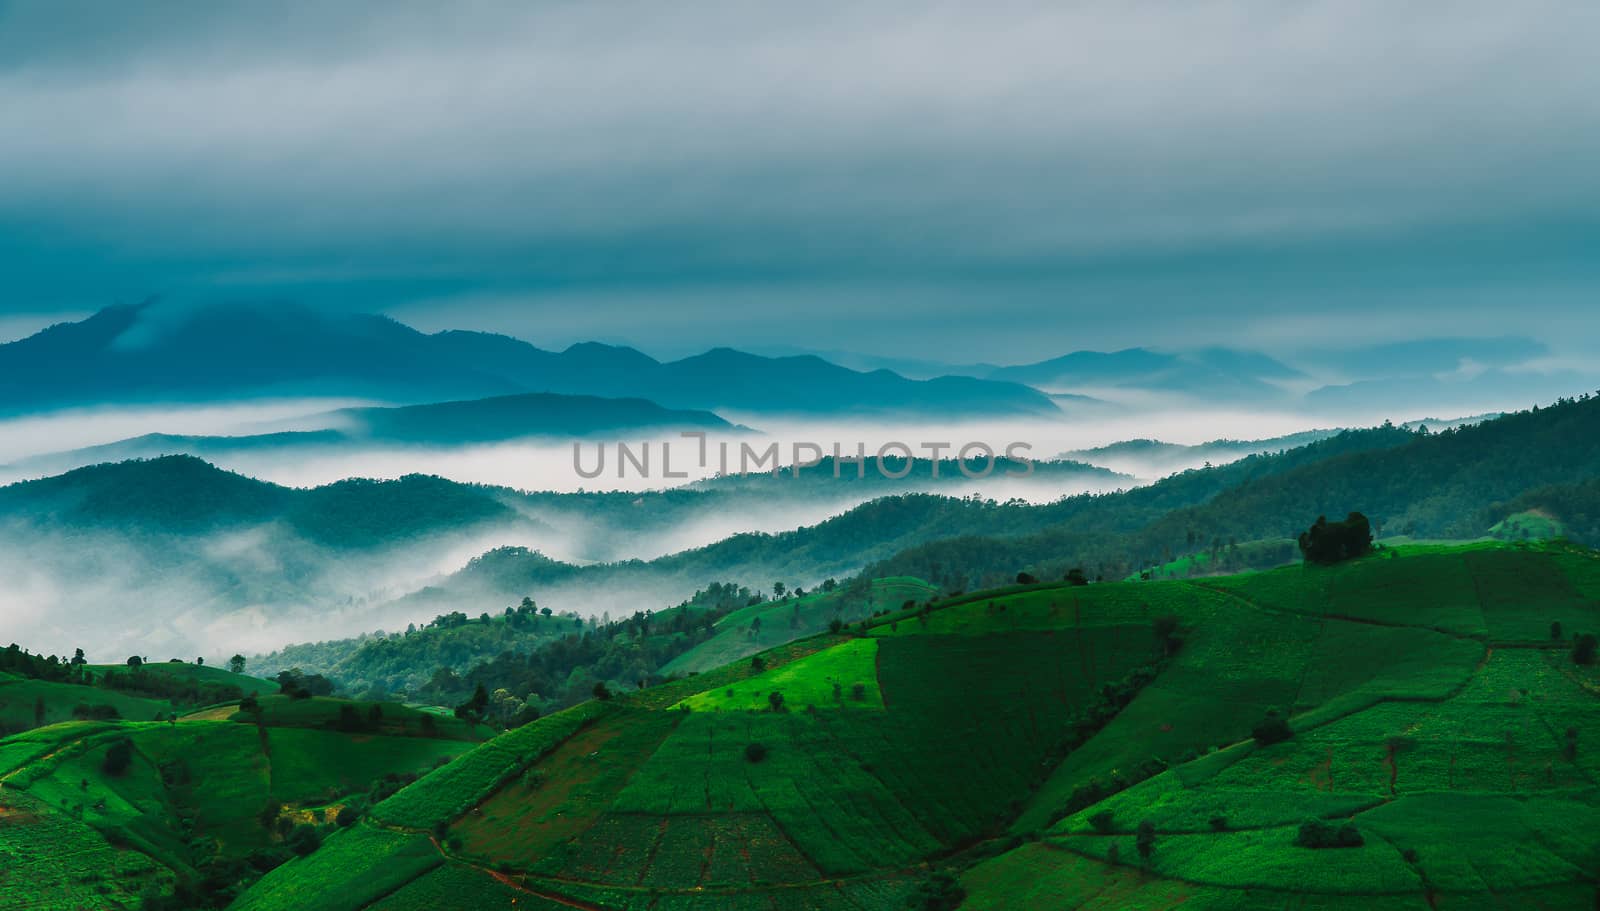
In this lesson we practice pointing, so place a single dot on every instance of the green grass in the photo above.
(20, 701)
(1428, 704)
(1531, 525)
(827, 679)
(320, 767)
(328, 713)
(194, 673)
(367, 863)
(193, 791)
(785, 621)
(463, 784)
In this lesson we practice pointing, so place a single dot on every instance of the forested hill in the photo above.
(1452, 484)
(183, 494)
(878, 531)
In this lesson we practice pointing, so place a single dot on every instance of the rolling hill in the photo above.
(1018, 746)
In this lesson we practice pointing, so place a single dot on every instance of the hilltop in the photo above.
(1014, 743)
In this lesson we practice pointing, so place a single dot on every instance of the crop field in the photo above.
(315, 767)
(1427, 707)
(75, 835)
(783, 621)
(463, 784)
(392, 718)
(196, 673)
(1456, 772)
(369, 863)
(25, 703)
(453, 885)
(828, 678)
(51, 862)
(545, 806)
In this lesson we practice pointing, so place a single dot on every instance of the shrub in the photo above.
(118, 758)
(348, 816)
(1076, 576)
(1027, 579)
(939, 892)
(858, 692)
(1584, 648)
(1103, 821)
(1555, 631)
(835, 625)
(1145, 839)
(1314, 833)
(601, 691)
(755, 752)
(1329, 542)
(1166, 631)
(304, 840)
(775, 700)
(1272, 729)
(1219, 823)
(758, 663)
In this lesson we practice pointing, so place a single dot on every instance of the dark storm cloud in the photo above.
(679, 175)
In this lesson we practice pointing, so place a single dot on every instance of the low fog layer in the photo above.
(112, 590)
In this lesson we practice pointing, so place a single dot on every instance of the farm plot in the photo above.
(554, 799)
(368, 863)
(1223, 681)
(464, 783)
(50, 862)
(1523, 592)
(319, 767)
(827, 679)
(456, 886)
(839, 815)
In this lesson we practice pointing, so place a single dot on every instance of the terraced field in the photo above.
(1023, 737)
(76, 832)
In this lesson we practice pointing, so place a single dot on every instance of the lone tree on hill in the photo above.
(1145, 839)
(118, 758)
(1272, 729)
(1330, 542)
(1027, 579)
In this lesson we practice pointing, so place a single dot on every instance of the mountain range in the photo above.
(149, 353)
(524, 417)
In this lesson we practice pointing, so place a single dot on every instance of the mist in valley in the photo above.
(118, 591)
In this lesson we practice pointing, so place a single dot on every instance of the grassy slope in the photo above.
(1429, 704)
(73, 836)
(787, 620)
(21, 698)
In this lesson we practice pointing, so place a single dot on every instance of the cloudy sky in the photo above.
(1004, 181)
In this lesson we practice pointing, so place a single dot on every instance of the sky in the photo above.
(999, 181)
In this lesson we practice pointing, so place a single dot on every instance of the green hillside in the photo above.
(36, 691)
(1055, 746)
(196, 808)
